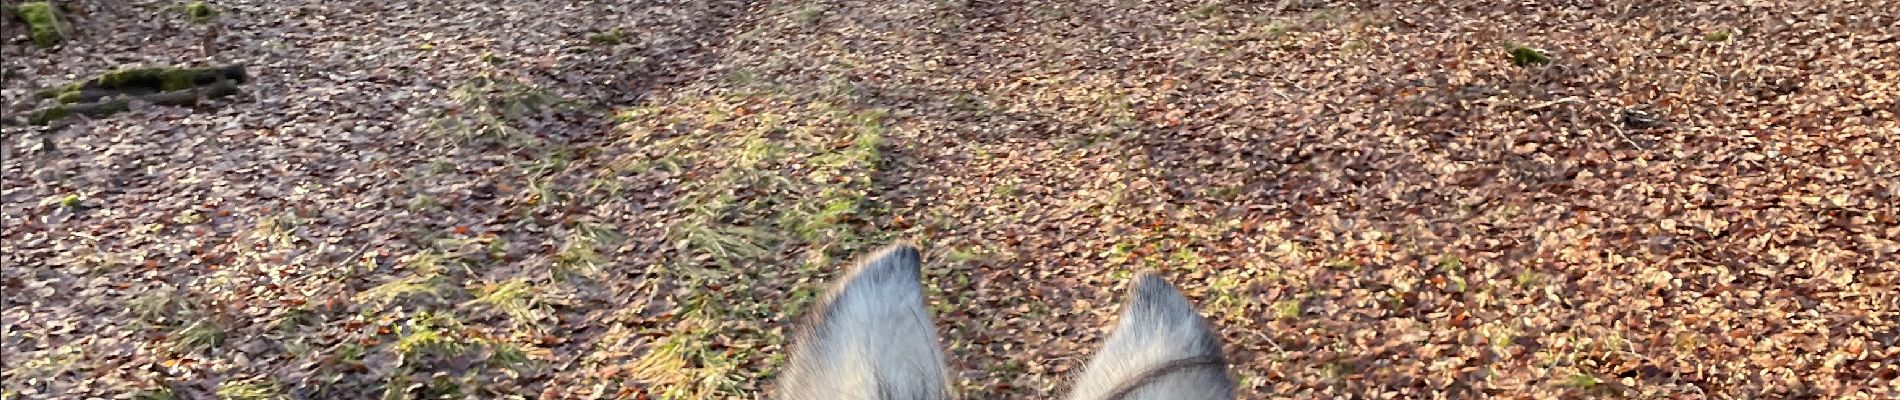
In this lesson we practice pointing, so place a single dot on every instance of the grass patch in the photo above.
(190, 217)
(1528, 278)
(1589, 384)
(427, 287)
(50, 363)
(1335, 370)
(199, 335)
(1342, 265)
(636, 114)
(1720, 35)
(1228, 292)
(1276, 29)
(348, 354)
(1009, 190)
(1009, 367)
(771, 181)
(276, 231)
(1185, 260)
(156, 306)
(429, 333)
(1498, 336)
(515, 298)
(294, 319)
(1451, 263)
(70, 201)
(610, 37)
(160, 393)
(1203, 12)
(255, 388)
(967, 254)
(551, 161)
(489, 109)
(809, 13)
(1287, 309)
(579, 255)
(542, 193)
(508, 355)
(723, 244)
(1582, 381)
(423, 202)
(681, 369)
(426, 283)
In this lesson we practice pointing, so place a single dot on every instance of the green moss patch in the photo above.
(199, 12)
(43, 23)
(1525, 56)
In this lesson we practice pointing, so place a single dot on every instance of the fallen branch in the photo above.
(114, 104)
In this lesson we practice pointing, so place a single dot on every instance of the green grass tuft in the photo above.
(429, 333)
(156, 306)
(789, 188)
(508, 355)
(257, 388)
(1582, 381)
(515, 298)
(579, 255)
(427, 287)
(1204, 12)
(809, 13)
(68, 201)
(1287, 309)
(1528, 278)
(201, 334)
(610, 37)
(160, 393)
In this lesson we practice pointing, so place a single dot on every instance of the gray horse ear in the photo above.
(1160, 349)
(869, 338)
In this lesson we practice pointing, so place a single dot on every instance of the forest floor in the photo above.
(596, 199)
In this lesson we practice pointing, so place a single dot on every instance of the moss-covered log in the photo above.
(146, 81)
(42, 22)
(115, 104)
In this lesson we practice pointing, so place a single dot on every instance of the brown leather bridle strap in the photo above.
(1170, 368)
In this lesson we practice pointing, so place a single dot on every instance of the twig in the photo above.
(1552, 103)
(1627, 139)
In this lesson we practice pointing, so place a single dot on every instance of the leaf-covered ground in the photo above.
(594, 199)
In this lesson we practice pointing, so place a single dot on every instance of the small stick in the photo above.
(1549, 104)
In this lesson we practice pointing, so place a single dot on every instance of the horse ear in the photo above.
(869, 338)
(1161, 349)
